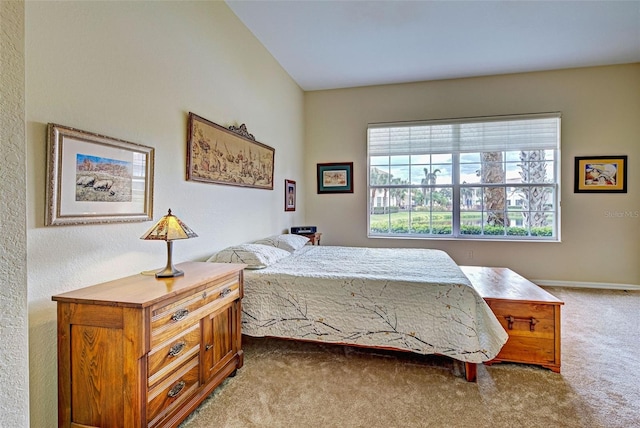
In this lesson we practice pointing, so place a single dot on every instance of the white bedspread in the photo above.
(411, 299)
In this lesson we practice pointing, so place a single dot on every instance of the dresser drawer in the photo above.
(173, 391)
(172, 353)
(169, 319)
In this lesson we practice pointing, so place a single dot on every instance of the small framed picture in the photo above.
(600, 174)
(335, 177)
(289, 195)
(93, 178)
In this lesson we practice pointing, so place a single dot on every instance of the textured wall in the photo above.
(133, 71)
(14, 374)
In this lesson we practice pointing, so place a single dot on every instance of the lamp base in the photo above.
(169, 272)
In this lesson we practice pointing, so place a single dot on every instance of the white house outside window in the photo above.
(492, 178)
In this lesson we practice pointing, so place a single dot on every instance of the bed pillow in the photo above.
(289, 242)
(255, 256)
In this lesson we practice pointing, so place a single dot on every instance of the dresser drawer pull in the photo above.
(180, 314)
(207, 347)
(177, 389)
(225, 292)
(176, 349)
(532, 322)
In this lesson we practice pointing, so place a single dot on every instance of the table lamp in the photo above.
(169, 228)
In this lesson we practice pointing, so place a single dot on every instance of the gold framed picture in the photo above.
(600, 174)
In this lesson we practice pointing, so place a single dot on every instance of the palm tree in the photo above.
(533, 170)
(466, 196)
(377, 177)
(494, 197)
(373, 179)
(397, 193)
(431, 177)
(428, 180)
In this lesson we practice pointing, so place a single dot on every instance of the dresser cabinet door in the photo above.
(219, 342)
(96, 365)
(99, 366)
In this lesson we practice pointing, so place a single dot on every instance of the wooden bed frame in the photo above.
(326, 321)
(505, 290)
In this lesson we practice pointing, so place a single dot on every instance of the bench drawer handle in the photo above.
(532, 322)
(225, 292)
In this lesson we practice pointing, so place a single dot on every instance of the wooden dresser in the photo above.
(145, 352)
(529, 314)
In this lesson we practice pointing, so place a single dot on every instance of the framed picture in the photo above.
(96, 179)
(600, 174)
(289, 195)
(335, 177)
(227, 155)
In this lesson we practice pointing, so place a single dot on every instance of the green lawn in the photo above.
(440, 223)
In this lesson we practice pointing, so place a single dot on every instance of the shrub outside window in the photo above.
(495, 178)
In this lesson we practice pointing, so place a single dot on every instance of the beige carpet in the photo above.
(291, 384)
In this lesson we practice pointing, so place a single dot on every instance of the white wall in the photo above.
(14, 376)
(133, 71)
(600, 116)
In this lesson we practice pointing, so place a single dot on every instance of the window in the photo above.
(138, 177)
(482, 178)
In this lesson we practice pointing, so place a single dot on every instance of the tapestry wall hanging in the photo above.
(229, 156)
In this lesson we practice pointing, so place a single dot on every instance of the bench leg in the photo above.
(470, 371)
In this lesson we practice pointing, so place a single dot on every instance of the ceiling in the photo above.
(337, 44)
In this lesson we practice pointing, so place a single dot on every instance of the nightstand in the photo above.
(314, 238)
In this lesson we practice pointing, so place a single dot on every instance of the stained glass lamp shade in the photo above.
(169, 228)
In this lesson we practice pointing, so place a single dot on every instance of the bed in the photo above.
(415, 300)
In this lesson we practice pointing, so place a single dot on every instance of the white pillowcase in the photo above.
(289, 242)
(255, 256)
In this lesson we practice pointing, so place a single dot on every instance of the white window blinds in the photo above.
(485, 134)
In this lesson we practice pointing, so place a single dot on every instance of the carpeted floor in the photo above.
(291, 384)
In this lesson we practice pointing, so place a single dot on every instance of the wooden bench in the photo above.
(529, 314)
